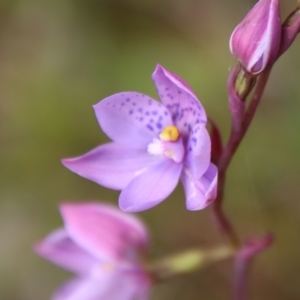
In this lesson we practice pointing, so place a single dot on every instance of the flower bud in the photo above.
(255, 41)
(290, 30)
(240, 83)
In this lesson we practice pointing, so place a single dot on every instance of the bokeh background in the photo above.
(58, 58)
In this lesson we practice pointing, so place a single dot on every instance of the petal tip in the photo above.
(38, 247)
(67, 161)
(158, 68)
(128, 209)
(200, 206)
(66, 209)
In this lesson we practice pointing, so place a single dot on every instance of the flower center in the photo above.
(170, 134)
(168, 144)
(107, 267)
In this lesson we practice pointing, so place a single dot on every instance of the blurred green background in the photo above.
(58, 58)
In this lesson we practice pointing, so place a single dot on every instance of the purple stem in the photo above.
(234, 141)
(243, 261)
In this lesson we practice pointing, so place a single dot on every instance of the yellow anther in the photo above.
(170, 134)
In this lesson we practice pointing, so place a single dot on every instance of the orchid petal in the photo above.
(199, 148)
(131, 118)
(112, 285)
(80, 289)
(151, 187)
(178, 97)
(201, 192)
(104, 231)
(58, 248)
(111, 165)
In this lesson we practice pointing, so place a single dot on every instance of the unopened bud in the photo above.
(255, 41)
(240, 84)
(290, 29)
(243, 83)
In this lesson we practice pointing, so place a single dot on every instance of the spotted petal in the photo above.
(112, 165)
(201, 192)
(199, 148)
(151, 187)
(104, 231)
(131, 118)
(178, 97)
(59, 248)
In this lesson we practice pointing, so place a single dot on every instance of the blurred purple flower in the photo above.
(255, 41)
(103, 246)
(154, 145)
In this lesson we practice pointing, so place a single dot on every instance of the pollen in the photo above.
(170, 134)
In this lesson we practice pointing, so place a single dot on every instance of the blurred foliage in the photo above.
(59, 57)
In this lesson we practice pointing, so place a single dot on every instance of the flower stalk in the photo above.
(187, 262)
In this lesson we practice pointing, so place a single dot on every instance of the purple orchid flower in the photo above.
(103, 246)
(154, 145)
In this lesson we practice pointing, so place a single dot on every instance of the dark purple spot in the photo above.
(149, 102)
(197, 121)
(147, 113)
(133, 103)
(158, 125)
(170, 96)
(128, 99)
(194, 140)
(154, 112)
(166, 88)
(140, 110)
(149, 127)
(141, 119)
(131, 112)
(165, 113)
(185, 124)
(151, 120)
(189, 127)
(179, 91)
(122, 103)
(190, 149)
